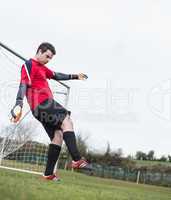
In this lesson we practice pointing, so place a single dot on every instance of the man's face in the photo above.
(45, 57)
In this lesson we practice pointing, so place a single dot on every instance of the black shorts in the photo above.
(51, 114)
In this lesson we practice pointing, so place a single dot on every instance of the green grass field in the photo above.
(74, 186)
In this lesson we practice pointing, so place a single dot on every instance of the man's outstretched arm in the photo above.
(64, 77)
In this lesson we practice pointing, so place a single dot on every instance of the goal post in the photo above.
(23, 146)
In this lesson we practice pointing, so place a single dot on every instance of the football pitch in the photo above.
(75, 186)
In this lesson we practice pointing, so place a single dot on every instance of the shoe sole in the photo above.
(45, 179)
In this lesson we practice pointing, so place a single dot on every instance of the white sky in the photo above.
(125, 48)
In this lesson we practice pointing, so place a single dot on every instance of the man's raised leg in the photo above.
(70, 141)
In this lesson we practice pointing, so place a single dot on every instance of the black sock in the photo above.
(70, 141)
(53, 154)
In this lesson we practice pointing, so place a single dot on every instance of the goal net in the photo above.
(23, 146)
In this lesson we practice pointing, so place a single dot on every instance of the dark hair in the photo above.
(46, 46)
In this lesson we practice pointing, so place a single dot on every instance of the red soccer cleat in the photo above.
(52, 177)
(81, 164)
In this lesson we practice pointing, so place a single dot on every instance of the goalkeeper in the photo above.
(54, 117)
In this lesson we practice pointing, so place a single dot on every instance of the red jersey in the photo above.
(39, 89)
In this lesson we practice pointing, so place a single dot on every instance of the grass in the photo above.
(22, 165)
(75, 186)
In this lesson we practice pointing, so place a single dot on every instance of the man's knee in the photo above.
(58, 138)
(67, 124)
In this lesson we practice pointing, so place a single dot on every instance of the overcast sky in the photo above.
(125, 48)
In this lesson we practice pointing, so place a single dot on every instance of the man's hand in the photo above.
(16, 113)
(82, 76)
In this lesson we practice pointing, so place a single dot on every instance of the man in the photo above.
(54, 117)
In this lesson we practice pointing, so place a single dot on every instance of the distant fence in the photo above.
(138, 176)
